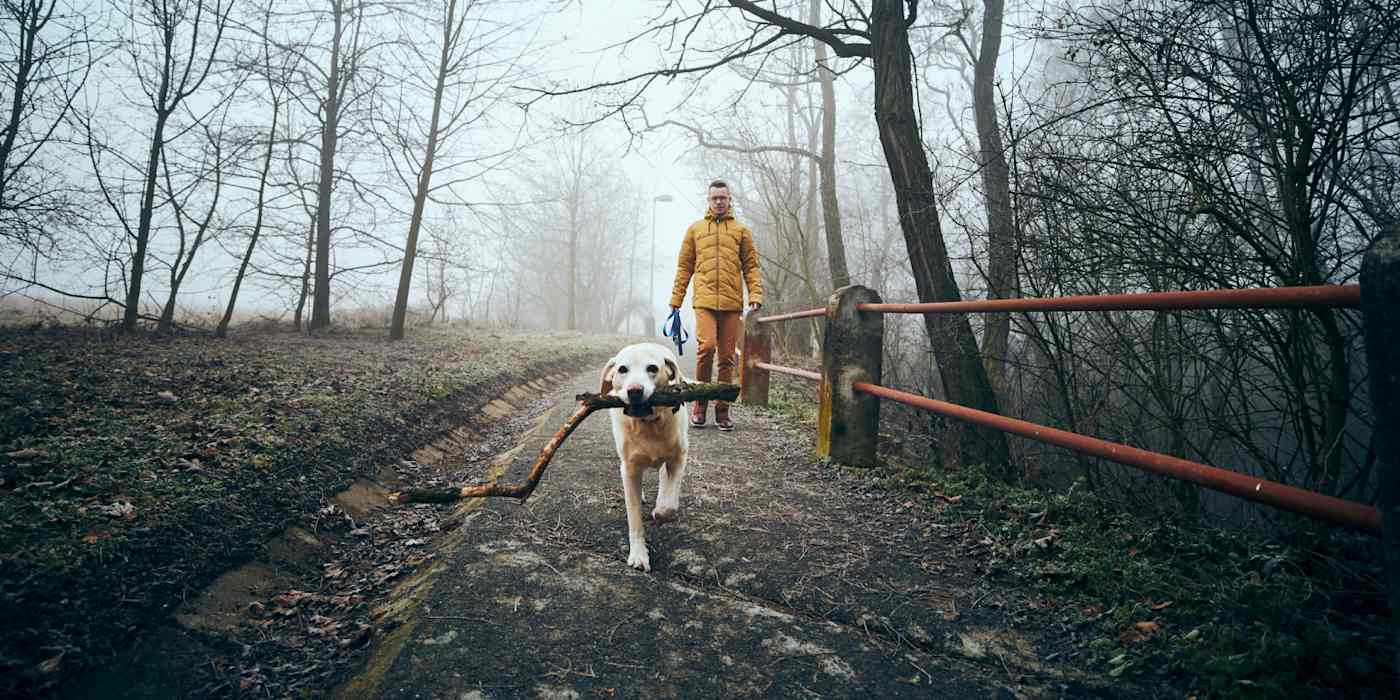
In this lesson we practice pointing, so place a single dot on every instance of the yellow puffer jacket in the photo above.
(721, 256)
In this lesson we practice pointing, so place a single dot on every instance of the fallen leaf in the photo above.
(120, 509)
(292, 598)
(27, 453)
(360, 637)
(322, 626)
(167, 397)
(49, 666)
(1148, 627)
(1162, 606)
(1131, 637)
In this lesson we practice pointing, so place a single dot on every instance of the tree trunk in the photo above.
(425, 178)
(831, 209)
(305, 279)
(183, 261)
(222, 330)
(321, 302)
(954, 345)
(143, 228)
(996, 185)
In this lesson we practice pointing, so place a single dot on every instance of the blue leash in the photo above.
(673, 329)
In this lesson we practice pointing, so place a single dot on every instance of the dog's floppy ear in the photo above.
(606, 385)
(673, 373)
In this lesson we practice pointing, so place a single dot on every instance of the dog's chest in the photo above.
(650, 442)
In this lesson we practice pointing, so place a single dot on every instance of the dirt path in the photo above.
(782, 578)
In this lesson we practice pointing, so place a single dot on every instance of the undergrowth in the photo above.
(1161, 600)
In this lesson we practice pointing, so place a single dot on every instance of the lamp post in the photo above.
(651, 271)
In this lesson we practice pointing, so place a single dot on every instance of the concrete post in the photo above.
(1380, 309)
(753, 381)
(848, 424)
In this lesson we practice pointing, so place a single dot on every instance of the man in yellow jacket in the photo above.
(719, 253)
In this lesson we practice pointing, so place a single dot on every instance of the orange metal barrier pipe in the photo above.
(1325, 295)
(1290, 498)
(809, 313)
(804, 373)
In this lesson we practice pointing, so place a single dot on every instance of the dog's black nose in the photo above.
(634, 394)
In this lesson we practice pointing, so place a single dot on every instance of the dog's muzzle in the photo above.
(637, 405)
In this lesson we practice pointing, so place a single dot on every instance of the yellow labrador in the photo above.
(646, 437)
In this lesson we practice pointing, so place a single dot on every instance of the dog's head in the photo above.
(634, 373)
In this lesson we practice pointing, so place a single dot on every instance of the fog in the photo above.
(207, 165)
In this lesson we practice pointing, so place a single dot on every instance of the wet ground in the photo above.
(781, 578)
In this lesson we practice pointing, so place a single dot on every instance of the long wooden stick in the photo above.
(672, 395)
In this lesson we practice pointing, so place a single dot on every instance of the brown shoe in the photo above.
(722, 417)
(697, 414)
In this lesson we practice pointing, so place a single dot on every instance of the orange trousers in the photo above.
(718, 333)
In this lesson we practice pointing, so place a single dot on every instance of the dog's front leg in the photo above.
(636, 538)
(668, 488)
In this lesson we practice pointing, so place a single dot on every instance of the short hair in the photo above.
(719, 183)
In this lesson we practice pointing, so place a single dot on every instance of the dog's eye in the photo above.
(652, 369)
(622, 369)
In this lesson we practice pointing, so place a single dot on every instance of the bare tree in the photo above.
(213, 167)
(1220, 147)
(171, 57)
(559, 244)
(980, 46)
(465, 81)
(50, 57)
(831, 207)
(275, 77)
(339, 75)
(345, 85)
(882, 38)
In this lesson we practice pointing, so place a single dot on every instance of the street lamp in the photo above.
(651, 271)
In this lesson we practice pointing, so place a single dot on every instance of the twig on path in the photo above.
(458, 618)
(673, 395)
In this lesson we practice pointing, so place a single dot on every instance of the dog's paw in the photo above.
(664, 514)
(638, 558)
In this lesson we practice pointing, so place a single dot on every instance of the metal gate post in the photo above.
(753, 380)
(848, 423)
(1380, 309)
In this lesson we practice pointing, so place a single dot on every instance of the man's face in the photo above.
(719, 200)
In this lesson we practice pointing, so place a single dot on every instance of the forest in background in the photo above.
(180, 165)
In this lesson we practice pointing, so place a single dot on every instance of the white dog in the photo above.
(647, 437)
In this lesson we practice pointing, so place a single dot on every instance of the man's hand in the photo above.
(675, 308)
(754, 306)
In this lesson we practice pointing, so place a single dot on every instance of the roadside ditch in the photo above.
(293, 619)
